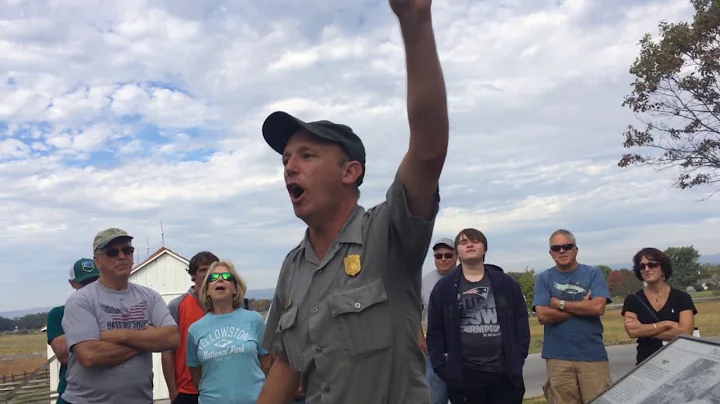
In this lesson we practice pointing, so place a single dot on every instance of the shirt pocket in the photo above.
(362, 317)
(287, 325)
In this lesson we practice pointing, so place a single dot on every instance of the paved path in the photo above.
(622, 360)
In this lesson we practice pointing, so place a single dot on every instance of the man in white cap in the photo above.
(445, 261)
(112, 327)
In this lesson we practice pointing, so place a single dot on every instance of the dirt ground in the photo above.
(18, 366)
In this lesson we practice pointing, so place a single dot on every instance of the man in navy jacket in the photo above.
(478, 330)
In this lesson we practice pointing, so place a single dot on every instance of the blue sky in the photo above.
(137, 112)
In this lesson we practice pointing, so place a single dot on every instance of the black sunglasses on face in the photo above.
(649, 265)
(114, 252)
(440, 256)
(563, 247)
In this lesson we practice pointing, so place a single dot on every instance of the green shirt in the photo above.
(54, 330)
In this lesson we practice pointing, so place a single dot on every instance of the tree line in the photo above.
(687, 271)
(27, 322)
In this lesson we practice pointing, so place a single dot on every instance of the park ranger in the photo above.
(347, 304)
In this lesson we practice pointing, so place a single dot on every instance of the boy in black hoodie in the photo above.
(478, 330)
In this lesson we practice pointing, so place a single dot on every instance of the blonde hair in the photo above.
(238, 297)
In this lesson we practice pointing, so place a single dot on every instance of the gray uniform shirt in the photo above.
(353, 335)
(96, 308)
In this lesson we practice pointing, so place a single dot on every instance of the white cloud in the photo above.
(149, 110)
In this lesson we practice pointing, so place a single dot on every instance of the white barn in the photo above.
(164, 271)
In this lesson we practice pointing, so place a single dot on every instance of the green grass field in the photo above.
(707, 319)
(22, 344)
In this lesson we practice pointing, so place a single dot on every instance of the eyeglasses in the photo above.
(114, 252)
(647, 266)
(447, 256)
(563, 247)
(226, 276)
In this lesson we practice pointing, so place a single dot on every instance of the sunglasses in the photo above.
(649, 265)
(447, 256)
(563, 247)
(226, 276)
(114, 252)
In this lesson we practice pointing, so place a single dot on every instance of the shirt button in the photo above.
(357, 305)
(314, 309)
(326, 388)
(319, 348)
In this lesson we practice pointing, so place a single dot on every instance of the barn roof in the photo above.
(157, 254)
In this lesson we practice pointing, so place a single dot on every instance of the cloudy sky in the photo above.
(129, 114)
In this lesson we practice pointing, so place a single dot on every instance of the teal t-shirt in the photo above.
(227, 346)
(54, 330)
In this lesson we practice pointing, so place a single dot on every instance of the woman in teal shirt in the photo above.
(224, 353)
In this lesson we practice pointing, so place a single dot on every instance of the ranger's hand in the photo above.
(405, 8)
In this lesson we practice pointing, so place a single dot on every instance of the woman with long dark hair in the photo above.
(658, 312)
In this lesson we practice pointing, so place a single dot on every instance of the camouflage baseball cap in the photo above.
(104, 237)
(83, 270)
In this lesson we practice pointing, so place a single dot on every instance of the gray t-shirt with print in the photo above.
(428, 283)
(94, 309)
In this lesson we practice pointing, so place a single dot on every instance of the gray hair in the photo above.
(563, 232)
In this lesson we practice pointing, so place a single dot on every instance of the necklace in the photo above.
(657, 294)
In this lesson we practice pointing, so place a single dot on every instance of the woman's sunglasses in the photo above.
(649, 265)
(226, 276)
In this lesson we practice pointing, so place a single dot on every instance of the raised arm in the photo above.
(426, 107)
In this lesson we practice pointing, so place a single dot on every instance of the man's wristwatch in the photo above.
(561, 305)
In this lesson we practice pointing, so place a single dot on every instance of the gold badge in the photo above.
(352, 264)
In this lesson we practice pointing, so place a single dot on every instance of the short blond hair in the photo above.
(238, 298)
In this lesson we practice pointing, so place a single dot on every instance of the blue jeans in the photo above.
(438, 390)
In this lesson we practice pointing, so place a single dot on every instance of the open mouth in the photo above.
(295, 191)
(219, 287)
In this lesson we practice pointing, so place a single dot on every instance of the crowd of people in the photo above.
(345, 323)
(478, 326)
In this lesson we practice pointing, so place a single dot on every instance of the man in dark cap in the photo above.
(346, 311)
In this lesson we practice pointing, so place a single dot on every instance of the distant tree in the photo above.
(614, 281)
(606, 270)
(686, 266)
(6, 324)
(260, 305)
(676, 95)
(623, 283)
(31, 321)
(526, 279)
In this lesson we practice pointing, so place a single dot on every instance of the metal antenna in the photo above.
(162, 234)
(147, 248)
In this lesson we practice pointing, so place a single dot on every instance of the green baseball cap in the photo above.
(83, 270)
(280, 126)
(105, 237)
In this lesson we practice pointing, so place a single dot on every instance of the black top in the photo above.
(481, 334)
(677, 302)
